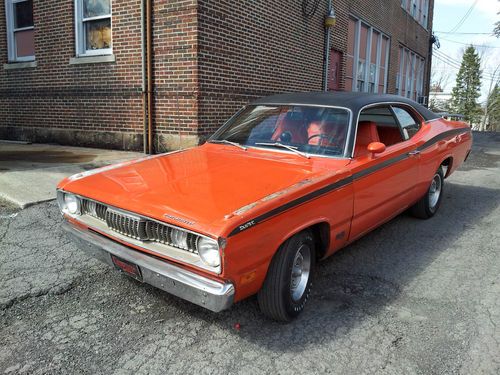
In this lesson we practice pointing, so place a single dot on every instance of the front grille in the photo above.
(137, 227)
(127, 225)
(94, 209)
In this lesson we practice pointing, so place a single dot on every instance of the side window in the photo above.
(409, 125)
(380, 124)
(93, 27)
(20, 30)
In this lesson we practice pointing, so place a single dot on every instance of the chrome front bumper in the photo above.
(213, 295)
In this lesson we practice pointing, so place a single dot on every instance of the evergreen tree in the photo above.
(468, 85)
(494, 109)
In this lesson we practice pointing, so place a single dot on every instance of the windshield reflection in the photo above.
(309, 129)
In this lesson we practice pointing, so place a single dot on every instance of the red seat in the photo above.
(326, 133)
(389, 135)
(293, 123)
(367, 133)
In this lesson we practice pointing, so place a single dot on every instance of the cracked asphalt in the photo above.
(412, 297)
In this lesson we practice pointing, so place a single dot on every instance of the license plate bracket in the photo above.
(129, 268)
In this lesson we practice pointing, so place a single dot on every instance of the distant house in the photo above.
(74, 71)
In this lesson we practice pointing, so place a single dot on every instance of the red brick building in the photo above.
(73, 70)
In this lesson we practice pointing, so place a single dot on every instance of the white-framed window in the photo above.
(93, 27)
(20, 30)
(367, 58)
(410, 77)
(418, 9)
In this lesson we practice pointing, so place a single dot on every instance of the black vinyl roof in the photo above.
(352, 100)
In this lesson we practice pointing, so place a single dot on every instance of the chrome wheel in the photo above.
(301, 270)
(435, 191)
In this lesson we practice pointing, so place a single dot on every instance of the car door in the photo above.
(383, 183)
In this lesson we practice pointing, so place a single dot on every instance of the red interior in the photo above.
(389, 135)
(294, 125)
(367, 133)
(333, 134)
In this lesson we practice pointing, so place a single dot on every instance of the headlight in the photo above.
(68, 203)
(179, 238)
(209, 251)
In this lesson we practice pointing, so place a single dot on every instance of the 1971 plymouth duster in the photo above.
(287, 181)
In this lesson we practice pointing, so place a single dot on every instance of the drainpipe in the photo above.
(149, 73)
(328, 24)
(143, 73)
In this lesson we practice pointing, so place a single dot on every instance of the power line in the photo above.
(455, 61)
(457, 64)
(464, 18)
(460, 33)
(468, 44)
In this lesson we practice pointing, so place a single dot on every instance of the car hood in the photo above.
(203, 189)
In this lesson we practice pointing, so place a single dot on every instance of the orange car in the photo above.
(287, 181)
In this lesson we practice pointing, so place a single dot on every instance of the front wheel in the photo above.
(289, 279)
(428, 205)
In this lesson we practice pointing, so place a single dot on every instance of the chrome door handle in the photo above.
(414, 152)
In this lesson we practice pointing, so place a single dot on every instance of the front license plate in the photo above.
(130, 269)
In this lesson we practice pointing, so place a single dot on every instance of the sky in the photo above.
(454, 33)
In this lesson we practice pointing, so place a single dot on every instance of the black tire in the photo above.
(427, 206)
(279, 298)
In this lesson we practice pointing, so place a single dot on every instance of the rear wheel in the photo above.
(428, 205)
(289, 279)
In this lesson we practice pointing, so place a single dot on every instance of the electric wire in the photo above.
(456, 65)
(307, 10)
(464, 18)
(469, 44)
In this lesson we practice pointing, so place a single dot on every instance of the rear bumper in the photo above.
(213, 295)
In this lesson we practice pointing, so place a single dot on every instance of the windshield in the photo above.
(310, 130)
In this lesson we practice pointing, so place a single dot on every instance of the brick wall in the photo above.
(248, 49)
(100, 104)
(210, 58)
(175, 73)
(88, 104)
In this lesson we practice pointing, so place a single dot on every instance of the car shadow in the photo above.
(363, 278)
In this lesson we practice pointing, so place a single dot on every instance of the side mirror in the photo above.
(376, 148)
(202, 139)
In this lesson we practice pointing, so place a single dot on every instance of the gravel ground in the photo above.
(412, 297)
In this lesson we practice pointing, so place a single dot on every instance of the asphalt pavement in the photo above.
(412, 297)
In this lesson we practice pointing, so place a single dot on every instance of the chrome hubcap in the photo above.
(300, 272)
(435, 191)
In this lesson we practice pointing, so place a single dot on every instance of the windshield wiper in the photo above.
(226, 142)
(278, 144)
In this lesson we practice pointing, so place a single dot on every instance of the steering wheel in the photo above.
(320, 136)
(333, 146)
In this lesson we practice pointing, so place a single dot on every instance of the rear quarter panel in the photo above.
(439, 140)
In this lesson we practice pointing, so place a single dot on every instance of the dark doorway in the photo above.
(334, 70)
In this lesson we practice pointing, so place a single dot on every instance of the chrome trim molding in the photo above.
(349, 125)
(210, 294)
(161, 249)
(353, 145)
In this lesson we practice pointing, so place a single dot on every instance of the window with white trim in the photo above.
(367, 58)
(20, 30)
(410, 77)
(418, 9)
(93, 27)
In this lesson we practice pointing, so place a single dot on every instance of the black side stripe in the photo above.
(291, 204)
(442, 136)
(341, 183)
